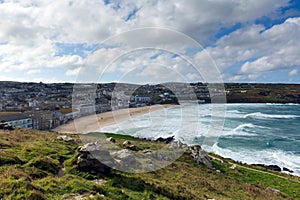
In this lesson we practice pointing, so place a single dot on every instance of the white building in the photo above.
(18, 120)
(141, 99)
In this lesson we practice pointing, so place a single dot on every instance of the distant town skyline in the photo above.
(55, 41)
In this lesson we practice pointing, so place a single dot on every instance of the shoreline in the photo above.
(95, 122)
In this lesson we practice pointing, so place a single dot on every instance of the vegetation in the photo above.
(30, 162)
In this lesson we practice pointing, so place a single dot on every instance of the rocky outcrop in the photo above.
(177, 145)
(111, 139)
(165, 140)
(66, 139)
(287, 170)
(94, 158)
(124, 158)
(132, 148)
(126, 143)
(269, 167)
(200, 156)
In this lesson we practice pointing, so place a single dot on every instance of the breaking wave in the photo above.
(260, 115)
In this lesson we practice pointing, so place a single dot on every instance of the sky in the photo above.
(150, 41)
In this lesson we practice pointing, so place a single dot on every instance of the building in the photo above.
(18, 120)
(142, 99)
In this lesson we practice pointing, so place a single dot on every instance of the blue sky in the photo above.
(62, 41)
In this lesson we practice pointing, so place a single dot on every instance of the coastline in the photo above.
(92, 123)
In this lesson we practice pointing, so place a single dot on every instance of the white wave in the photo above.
(242, 127)
(260, 115)
(235, 111)
(268, 157)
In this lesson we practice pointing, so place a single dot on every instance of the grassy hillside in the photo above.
(35, 165)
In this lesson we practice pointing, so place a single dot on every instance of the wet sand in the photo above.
(92, 123)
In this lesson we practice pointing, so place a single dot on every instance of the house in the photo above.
(142, 99)
(18, 120)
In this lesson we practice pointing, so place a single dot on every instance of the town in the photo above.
(45, 106)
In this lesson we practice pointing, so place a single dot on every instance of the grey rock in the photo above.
(124, 158)
(270, 167)
(178, 145)
(165, 140)
(94, 158)
(200, 156)
(126, 143)
(133, 148)
(66, 139)
(275, 191)
(111, 139)
(287, 170)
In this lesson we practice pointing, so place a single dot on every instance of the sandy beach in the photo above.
(95, 122)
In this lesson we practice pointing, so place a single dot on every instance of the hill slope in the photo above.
(35, 165)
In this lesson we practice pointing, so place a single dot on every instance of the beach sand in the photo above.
(93, 123)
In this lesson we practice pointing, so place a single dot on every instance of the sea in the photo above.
(250, 133)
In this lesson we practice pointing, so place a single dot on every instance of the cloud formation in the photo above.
(31, 31)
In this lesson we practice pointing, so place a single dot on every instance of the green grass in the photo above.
(30, 160)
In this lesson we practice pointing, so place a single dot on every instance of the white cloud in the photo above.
(258, 49)
(73, 72)
(33, 71)
(30, 29)
(293, 72)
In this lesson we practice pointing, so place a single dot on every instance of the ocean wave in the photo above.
(235, 111)
(268, 157)
(283, 104)
(260, 115)
(243, 127)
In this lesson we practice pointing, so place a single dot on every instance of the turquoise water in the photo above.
(251, 133)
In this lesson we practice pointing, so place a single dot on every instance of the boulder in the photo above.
(165, 140)
(269, 167)
(94, 158)
(124, 158)
(111, 139)
(133, 148)
(66, 139)
(200, 156)
(126, 143)
(178, 145)
(287, 170)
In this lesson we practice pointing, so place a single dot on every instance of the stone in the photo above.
(177, 145)
(275, 191)
(287, 170)
(100, 181)
(94, 158)
(269, 167)
(67, 196)
(124, 158)
(126, 143)
(133, 148)
(111, 139)
(66, 139)
(233, 166)
(200, 156)
(165, 140)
